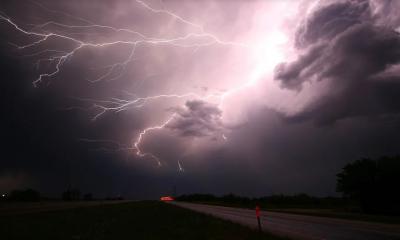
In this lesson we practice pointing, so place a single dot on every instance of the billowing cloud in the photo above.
(329, 20)
(341, 44)
(197, 119)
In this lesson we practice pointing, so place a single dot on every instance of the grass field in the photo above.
(134, 220)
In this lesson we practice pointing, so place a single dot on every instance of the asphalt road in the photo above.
(302, 226)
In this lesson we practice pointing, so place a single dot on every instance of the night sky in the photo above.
(253, 97)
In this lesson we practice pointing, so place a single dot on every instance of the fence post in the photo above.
(258, 217)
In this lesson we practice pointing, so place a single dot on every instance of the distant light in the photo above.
(3, 195)
(167, 199)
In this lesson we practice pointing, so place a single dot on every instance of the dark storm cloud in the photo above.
(343, 46)
(197, 119)
(39, 142)
(42, 147)
(292, 75)
(386, 12)
(330, 20)
(351, 45)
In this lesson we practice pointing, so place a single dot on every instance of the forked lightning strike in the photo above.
(116, 70)
(143, 133)
(118, 105)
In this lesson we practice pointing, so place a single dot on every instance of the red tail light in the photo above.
(167, 198)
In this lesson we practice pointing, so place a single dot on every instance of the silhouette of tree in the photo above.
(374, 183)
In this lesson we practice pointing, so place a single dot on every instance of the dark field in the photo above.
(134, 220)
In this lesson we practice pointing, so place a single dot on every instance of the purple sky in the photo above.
(250, 97)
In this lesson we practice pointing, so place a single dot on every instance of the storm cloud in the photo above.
(254, 98)
(343, 44)
(197, 119)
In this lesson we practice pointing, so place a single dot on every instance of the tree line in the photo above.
(367, 185)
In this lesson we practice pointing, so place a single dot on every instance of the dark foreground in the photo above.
(301, 226)
(132, 220)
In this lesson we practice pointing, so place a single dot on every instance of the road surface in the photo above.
(302, 226)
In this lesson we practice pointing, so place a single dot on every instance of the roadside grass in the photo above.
(340, 213)
(134, 220)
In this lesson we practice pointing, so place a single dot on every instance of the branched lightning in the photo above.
(118, 105)
(40, 35)
(143, 133)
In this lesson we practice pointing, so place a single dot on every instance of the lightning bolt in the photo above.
(118, 105)
(196, 39)
(139, 139)
(180, 168)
